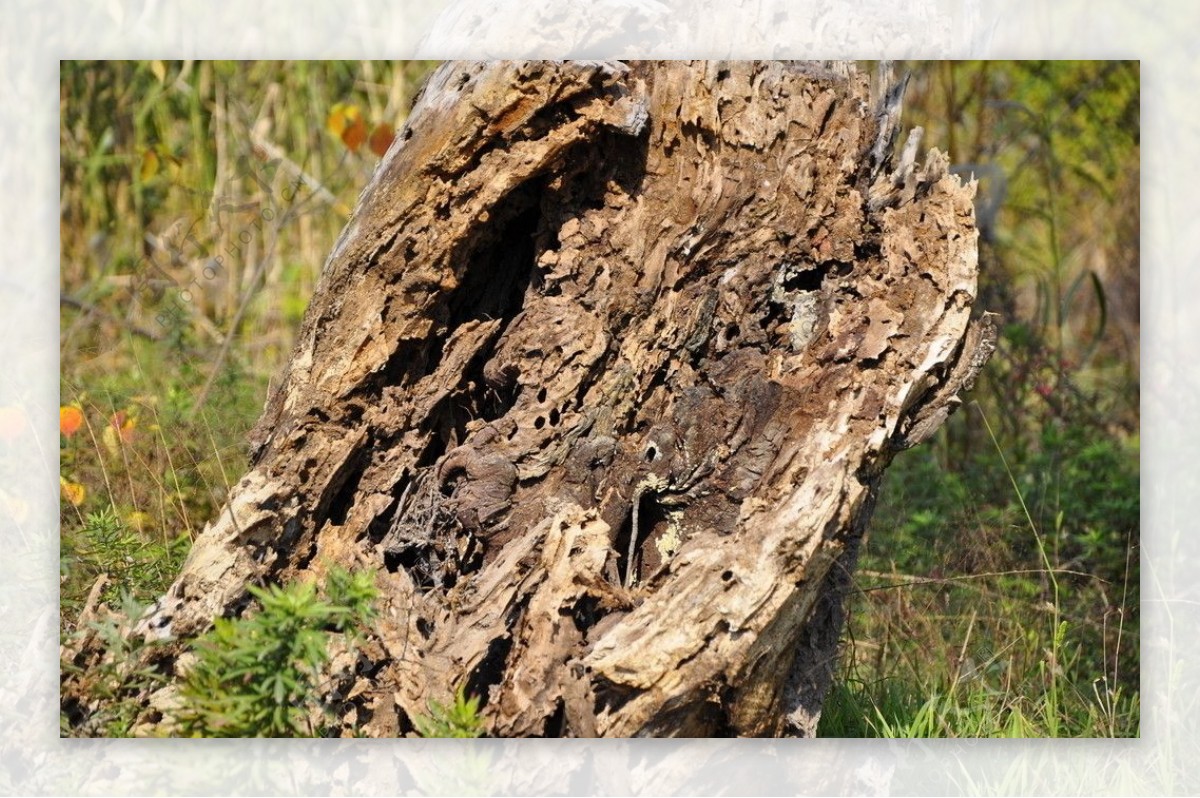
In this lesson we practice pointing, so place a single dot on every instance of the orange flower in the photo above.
(70, 419)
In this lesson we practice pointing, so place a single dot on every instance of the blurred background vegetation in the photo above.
(998, 591)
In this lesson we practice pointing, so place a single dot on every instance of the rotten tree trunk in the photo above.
(601, 379)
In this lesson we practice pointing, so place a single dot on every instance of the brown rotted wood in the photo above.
(679, 310)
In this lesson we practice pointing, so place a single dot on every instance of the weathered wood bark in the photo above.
(601, 379)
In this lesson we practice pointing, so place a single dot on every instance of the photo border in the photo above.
(36, 761)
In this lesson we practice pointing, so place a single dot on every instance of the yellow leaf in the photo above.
(72, 491)
(139, 520)
(149, 165)
(339, 118)
(109, 436)
(160, 70)
(123, 423)
(70, 419)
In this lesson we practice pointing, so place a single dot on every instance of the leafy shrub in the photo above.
(117, 681)
(258, 676)
(133, 563)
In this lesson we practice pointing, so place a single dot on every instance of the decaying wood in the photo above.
(697, 295)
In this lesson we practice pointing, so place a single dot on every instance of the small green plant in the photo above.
(258, 676)
(132, 562)
(457, 719)
(116, 683)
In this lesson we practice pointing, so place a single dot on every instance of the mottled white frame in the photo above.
(37, 33)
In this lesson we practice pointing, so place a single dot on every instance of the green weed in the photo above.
(258, 676)
(132, 564)
(117, 683)
(459, 718)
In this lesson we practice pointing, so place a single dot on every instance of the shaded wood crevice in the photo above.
(601, 378)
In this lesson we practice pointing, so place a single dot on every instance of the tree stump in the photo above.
(601, 379)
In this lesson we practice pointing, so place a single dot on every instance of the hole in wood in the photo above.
(490, 670)
(653, 522)
(425, 627)
(803, 279)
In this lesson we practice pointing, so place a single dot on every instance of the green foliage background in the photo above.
(998, 592)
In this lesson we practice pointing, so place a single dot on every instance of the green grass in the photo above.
(980, 704)
(116, 682)
(457, 718)
(971, 620)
